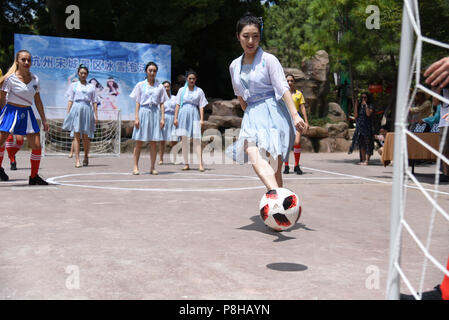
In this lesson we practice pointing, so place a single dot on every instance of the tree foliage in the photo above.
(201, 32)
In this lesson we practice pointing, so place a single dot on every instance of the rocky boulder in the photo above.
(336, 113)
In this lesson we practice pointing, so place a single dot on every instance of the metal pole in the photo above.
(407, 40)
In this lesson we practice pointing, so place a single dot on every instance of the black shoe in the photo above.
(286, 170)
(434, 294)
(3, 175)
(37, 180)
(13, 165)
(298, 169)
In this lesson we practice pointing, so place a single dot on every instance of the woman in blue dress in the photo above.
(149, 94)
(82, 115)
(270, 116)
(189, 117)
(168, 132)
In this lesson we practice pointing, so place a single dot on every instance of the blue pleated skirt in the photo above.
(268, 125)
(149, 124)
(18, 120)
(189, 122)
(168, 132)
(80, 119)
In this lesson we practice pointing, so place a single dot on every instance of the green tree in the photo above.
(283, 30)
(201, 32)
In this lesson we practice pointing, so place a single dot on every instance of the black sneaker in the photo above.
(286, 170)
(13, 165)
(298, 169)
(3, 175)
(37, 180)
(434, 294)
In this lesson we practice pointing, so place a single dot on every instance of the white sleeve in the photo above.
(163, 94)
(202, 99)
(178, 96)
(6, 85)
(277, 76)
(235, 85)
(135, 94)
(70, 93)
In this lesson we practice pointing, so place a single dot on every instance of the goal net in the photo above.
(106, 141)
(432, 255)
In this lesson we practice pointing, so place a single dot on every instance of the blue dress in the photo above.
(149, 99)
(81, 116)
(189, 115)
(168, 132)
(266, 122)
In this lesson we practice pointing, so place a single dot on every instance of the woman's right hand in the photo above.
(175, 123)
(299, 123)
(137, 123)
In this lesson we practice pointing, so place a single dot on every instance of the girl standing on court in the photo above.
(19, 88)
(149, 94)
(189, 117)
(268, 124)
(82, 114)
(168, 134)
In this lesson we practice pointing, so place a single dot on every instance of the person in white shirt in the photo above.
(270, 116)
(168, 132)
(150, 97)
(189, 118)
(19, 88)
(82, 114)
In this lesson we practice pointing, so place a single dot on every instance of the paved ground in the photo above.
(101, 233)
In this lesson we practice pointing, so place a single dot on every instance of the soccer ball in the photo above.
(280, 209)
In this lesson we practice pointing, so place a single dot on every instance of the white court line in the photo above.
(375, 180)
(75, 183)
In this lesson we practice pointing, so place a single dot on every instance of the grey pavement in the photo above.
(99, 232)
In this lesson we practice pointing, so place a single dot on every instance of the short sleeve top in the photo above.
(19, 92)
(298, 99)
(145, 94)
(170, 105)
(79, 92)
(266, 75)
(195, 97)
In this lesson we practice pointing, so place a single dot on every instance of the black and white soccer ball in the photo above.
(280, 209)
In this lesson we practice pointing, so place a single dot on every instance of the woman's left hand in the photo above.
(45, 125)
(162, 123)
(201, 124)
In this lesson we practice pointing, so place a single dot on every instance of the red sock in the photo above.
(297, 153)
(12, 147)
(35, 160)
(286, 164)
(445, 285)
(2, 153)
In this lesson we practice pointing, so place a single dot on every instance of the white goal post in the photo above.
(106, 140)
(410, 78)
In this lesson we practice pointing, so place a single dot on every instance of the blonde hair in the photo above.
(13, 67)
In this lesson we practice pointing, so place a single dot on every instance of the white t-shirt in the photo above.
(80, 92)
(19, 92)
(193, 97)
(170, 105)
(145, 94)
